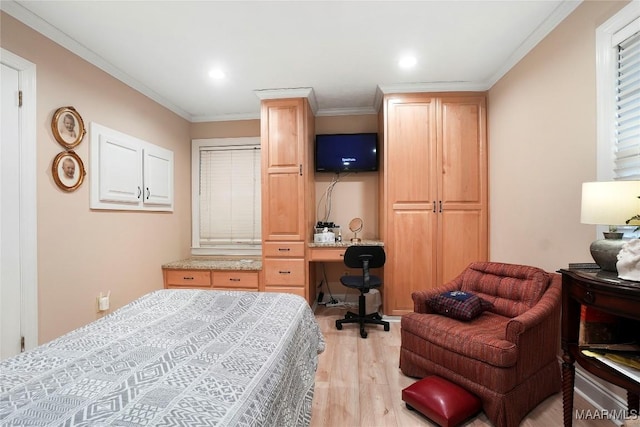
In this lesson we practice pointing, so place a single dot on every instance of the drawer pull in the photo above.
(233, 279)
(284, 272)
(188, 278)
(284, 249)
(589, 298)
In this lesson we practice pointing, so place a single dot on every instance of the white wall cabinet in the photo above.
(128, 173)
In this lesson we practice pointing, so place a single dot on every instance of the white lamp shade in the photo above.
(609, 203)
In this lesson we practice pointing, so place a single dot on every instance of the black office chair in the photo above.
(365, 257)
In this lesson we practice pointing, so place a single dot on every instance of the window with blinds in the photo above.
(627, 103)
(226, 205)
(618, 99)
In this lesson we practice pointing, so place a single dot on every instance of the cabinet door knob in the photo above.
(284, 249)
(589, 298)
(234, 279)
(148, 193)
(284, 272)
(187, 278)
(139, 191)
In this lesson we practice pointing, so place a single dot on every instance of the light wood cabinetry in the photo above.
(245, 280)
(327, 254)
(187, 279)
(212, 279)
(433, 191)
(287, 134)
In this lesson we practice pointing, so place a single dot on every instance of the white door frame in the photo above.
(28, 196)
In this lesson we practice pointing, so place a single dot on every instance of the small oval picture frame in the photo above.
(68, 127)
(68, 171)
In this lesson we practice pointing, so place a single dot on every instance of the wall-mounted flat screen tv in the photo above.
(354, 152)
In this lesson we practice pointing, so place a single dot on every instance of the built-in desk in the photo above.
(321, 252)
(331, 253)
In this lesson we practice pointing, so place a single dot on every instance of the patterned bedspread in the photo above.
(173, 358)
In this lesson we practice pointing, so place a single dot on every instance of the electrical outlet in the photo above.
(103, 301)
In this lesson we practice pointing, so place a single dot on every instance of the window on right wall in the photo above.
(618, 97)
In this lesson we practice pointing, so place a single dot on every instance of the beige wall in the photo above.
(542, 145)
(83, 252)
(234, 129)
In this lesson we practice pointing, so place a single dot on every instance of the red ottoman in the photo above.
(445, 403)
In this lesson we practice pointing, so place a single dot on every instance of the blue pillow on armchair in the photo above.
(459, 305)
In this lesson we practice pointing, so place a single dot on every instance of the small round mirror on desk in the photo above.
(355, 225)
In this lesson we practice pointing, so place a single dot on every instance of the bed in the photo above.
(173, 358)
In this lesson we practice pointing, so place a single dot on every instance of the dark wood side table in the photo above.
(605, 292)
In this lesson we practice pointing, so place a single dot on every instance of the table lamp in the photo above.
(609, 203)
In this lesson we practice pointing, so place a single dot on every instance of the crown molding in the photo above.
(418, 87)
(33, 21)
(355, 111)
(294, 92)
(557, 16)
(226, 117)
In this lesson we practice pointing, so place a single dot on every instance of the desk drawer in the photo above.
(195, 278)
(606, 301)
(327, 254)
(235, 279)
(283, 249)
(286, 272)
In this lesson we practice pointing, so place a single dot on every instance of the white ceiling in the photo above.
(344, 53)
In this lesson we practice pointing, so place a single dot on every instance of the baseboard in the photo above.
(605, 400)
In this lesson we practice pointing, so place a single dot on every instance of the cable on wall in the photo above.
(327, 198)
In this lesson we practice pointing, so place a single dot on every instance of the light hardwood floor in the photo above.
(358, 383)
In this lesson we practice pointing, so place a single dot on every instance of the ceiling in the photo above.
(342, 54)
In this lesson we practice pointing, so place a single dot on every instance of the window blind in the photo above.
(627, 120)
(230, 195)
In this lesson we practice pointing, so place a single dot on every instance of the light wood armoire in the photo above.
(288, 194)
(434, 209)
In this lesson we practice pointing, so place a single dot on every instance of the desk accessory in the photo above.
(355, 225)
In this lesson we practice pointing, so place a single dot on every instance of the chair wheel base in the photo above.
(368, 319)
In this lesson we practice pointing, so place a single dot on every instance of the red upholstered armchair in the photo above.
(507, 355)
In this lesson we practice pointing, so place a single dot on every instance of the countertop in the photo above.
(216, 263)
(247, 263)
(346, 243)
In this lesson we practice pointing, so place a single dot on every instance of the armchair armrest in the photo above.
(536, 333)
(548, 304)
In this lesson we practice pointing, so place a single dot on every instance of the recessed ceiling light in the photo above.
(407, 62)
(216, 74)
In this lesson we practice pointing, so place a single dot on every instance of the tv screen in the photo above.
(356, 152)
